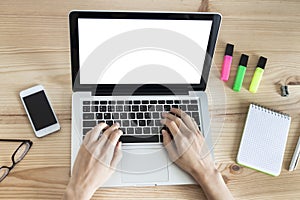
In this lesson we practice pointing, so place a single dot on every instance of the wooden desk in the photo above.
(34, 49)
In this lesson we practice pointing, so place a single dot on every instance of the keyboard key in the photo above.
(146, 130)
(86, 108)
(196, 117)
(161, 138)
(102, 108)
(85, 130)
(107, 116)
(128, 102)
(95, 102)
(120, 102)
(135, 108)
(145, 102)
(88, 116)
(185, 101)
(125, 123)
(157, 123)
(138, 130)
(155, 130)
(153, 102)
(182, 107)
(143, 108)
(123, 115)
(112, 102)
(89, 123)
(161, 101)
(139, 115)
(94, 108)
(109, 122)
(167, 107)
(169, 101)
(150, 122)
(131, 115)
(103, 102)
(130, 131)
(137, 102)
(86, 102)
(175, 106)
(119, 108)
(127, 108)
(151, 108)
(111, 108)
(159, 108)
(142, 123)
(156, 115)
(139, 139)
(115, 116)
(177, 101)
(192, 107)
(147, 115)
(189, 113)
(99, 116)
(194, 102)
(133, 122)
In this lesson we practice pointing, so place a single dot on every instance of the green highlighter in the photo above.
(240, 74)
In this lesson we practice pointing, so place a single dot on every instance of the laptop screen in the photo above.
(142, 51)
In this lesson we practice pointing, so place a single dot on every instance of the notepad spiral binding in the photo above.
(271, 111)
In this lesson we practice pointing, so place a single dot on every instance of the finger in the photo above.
(111, 129)
(117, 155)
(96, 131)
(185, 118)
(172, 126)
(177, 120)
(167, 141)
(114, 138)
(87, 137)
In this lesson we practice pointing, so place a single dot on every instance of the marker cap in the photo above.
(229, 49)
(244, 60)
(262, 62)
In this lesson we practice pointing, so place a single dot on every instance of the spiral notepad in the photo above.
(264, 139)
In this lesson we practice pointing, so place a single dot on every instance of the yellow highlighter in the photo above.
(260, 68)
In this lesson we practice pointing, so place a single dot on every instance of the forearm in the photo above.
(213, 185)
(74, 192)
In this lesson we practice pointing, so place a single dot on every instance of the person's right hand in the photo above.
(187, 148)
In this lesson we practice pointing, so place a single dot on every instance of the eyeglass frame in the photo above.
(14, 163)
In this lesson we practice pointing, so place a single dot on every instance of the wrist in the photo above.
(74, 191)
(204, 177)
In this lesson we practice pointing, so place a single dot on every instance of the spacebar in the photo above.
(139, 138)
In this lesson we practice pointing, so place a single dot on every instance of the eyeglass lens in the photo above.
(3, 173)
(21, 152)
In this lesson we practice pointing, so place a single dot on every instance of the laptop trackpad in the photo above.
(144, 166)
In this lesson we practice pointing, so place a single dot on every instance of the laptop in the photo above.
(129, 67)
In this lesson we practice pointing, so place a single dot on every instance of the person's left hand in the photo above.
(96, 160)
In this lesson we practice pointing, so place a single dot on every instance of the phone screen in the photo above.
(39, 110)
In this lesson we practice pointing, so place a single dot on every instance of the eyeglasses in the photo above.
(16, 157)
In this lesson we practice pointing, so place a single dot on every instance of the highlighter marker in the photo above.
(238, 82)
(258, 74)
(227, 62)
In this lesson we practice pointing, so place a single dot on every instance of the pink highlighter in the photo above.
(227, 62)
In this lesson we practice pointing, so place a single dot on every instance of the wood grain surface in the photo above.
(34, 49)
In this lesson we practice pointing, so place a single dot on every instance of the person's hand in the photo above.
(96, 161)
(186, 147)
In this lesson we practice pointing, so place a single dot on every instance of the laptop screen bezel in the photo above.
(108, 89)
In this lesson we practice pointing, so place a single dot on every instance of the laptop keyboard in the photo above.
(139, 119)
